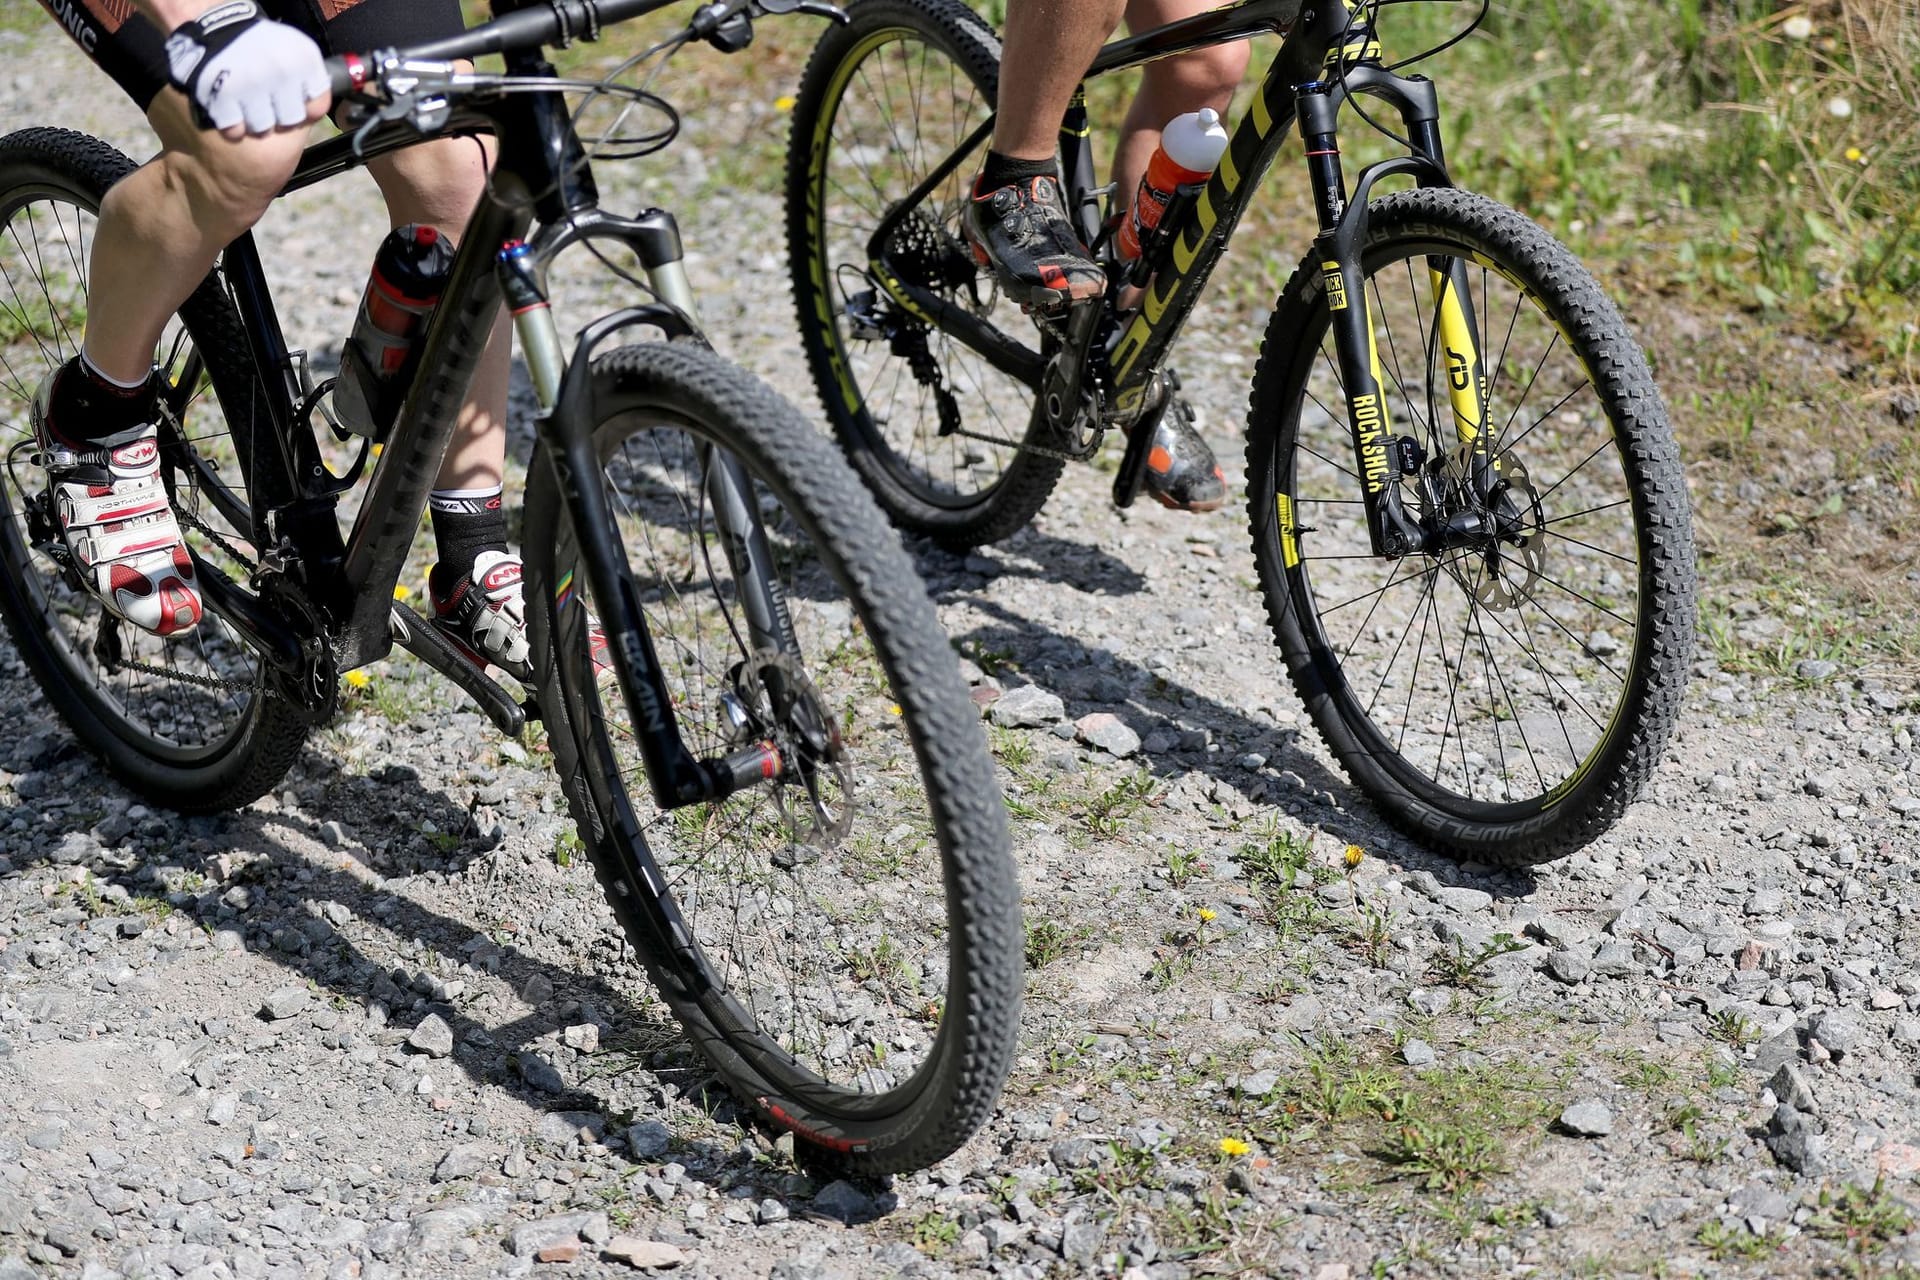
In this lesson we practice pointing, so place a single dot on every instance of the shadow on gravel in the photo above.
(1163, 711)
(1043, 558)
(283, 904)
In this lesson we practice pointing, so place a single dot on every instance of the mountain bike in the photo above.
(757, 721)
(1465, 500)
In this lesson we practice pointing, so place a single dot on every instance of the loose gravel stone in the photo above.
(1027, 706)
(1839, 1031)
(841, 1199)
(432, 1036)
(1108, 733)
(1589, 1119)
(286, 1002)
(638, 1252)
(1792, 1088)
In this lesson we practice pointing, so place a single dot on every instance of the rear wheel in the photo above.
(184, 721)
(1505, 699)
(857, 917)
(933, 428)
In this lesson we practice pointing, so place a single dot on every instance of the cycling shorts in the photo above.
(133, 51)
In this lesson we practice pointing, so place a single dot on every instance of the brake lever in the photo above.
(815, 8)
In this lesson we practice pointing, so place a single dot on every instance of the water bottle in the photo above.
(409, 272)
(1190, 148)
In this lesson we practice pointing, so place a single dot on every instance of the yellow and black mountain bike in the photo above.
(1466, 504)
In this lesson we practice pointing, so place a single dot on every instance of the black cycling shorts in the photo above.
(132, 50)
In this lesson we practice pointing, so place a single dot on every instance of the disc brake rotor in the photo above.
(772, 698)
(1501, 574)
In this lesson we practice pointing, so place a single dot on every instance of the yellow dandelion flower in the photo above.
(783, 103)
(1233, 1147)
(358, 679)
(1856, 156)
(401, 591)
(1208, 915)
(1354, 855)
(893, 708)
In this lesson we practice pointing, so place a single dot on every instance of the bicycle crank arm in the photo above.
(1133, 463)
(423, 640)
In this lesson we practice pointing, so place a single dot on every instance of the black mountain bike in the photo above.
(1466, 504)
(758, 723)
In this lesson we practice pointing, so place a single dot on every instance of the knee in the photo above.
(1205, 77)
(437, 182)
(229, 184)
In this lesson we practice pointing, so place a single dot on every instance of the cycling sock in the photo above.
(465, 523)
(1000, 171)
(88, 406)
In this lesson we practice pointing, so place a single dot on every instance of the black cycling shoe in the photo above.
(1181, 470)
(1022, 232)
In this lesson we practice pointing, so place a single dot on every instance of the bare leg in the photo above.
(162, 226)
(1171, 87)
(438, 183)
(1049, 46)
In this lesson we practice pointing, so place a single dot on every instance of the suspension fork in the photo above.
(1353, 66)
(1391, 530)
(562, 388)
(1456, 331)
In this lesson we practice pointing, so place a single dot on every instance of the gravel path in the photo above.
(373, 1026)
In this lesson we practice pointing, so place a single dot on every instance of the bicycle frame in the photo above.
(1327, 54)
(314, 583)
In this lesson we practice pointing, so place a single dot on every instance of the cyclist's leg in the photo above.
(1181, 470)
(1017, 220)
(475, 584)
(96, 416)
(1049, 45)
(162, 226)
(1171, 86)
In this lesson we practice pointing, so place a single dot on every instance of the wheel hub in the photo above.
(1505, 531)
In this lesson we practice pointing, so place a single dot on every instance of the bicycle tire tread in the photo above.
(983, 895)
(1593, 323)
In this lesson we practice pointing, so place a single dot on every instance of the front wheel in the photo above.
(1503, 699)
(857, 917)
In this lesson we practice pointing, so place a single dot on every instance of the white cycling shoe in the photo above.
(485, 614)
(114, 516)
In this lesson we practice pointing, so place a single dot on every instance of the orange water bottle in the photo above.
(1190, 148)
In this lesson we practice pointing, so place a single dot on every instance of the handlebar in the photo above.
(563, 21)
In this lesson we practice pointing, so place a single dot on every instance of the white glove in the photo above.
(238, 68)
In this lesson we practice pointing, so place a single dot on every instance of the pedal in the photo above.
(424, 641)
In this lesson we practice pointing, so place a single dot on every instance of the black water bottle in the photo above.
(409, 272)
